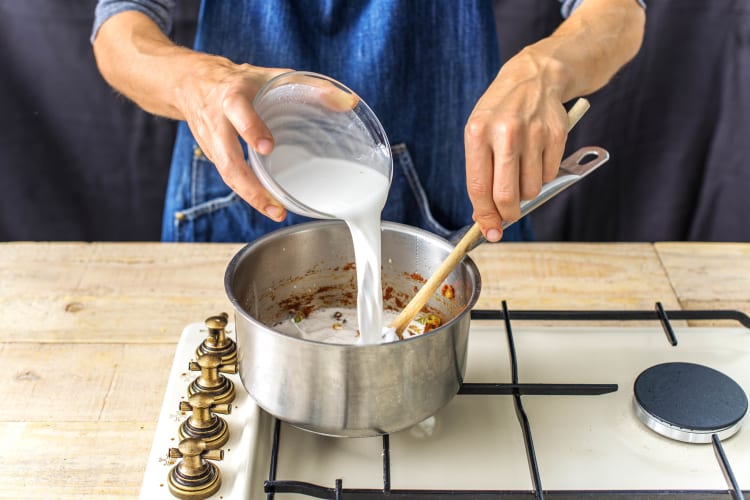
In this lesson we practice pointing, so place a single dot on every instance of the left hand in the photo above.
(514, 140)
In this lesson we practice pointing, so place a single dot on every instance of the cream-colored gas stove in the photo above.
(575, 389)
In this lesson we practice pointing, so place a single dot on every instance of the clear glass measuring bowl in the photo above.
(314, 116)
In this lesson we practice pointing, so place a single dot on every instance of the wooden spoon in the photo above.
(462, 247)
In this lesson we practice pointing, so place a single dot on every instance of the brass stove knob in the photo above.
(194, 478)
(211, 381)
(217, 341)
(203, 423)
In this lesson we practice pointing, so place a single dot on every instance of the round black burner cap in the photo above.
(691, 397)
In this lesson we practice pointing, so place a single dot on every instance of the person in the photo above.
(470, 139)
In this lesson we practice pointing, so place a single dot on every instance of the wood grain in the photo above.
(708, 275)
(73, 460)
(707, 272)
(108, 292)
(572, 276)
(84, 382)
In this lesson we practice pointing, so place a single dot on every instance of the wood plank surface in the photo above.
(73, 460)
(572, 276)
(708, 272)
(708, 275)
(84, 382)
(147, 292)
(109, 292)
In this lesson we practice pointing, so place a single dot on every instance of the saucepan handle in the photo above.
(572, 169)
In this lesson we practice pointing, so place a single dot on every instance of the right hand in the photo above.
(216, 101)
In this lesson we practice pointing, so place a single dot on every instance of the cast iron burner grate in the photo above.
(272, 486)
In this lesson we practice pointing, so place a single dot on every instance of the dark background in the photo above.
(676, 121)
(78, 162)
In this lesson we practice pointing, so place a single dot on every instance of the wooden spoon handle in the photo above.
(577, 111)
(460, 250)
(423, 295)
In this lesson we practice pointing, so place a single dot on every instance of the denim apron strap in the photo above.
(421, 65)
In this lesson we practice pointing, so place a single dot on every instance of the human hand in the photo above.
(514, 139)
(216, 101)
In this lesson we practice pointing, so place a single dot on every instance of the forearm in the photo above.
(583, 54)
(213, 95)
(137, 59)
(515, 136)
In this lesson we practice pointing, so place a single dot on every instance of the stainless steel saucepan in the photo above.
(346, 390)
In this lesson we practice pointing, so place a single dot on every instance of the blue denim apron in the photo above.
(421, 65)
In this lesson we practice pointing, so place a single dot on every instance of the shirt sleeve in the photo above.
(160, 11)
(568, 6)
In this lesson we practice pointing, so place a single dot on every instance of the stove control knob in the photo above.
(194, 477)
(217, 341)
(203, 423)
(211, 381)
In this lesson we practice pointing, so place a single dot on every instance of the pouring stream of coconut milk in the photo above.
(355, 193)
(332, 160)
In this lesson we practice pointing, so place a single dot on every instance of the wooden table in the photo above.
(87, 335)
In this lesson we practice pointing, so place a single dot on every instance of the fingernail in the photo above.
(264, 146)
(274, 212)
(493, 235)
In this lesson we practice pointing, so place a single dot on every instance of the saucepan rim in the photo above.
(392, 226)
